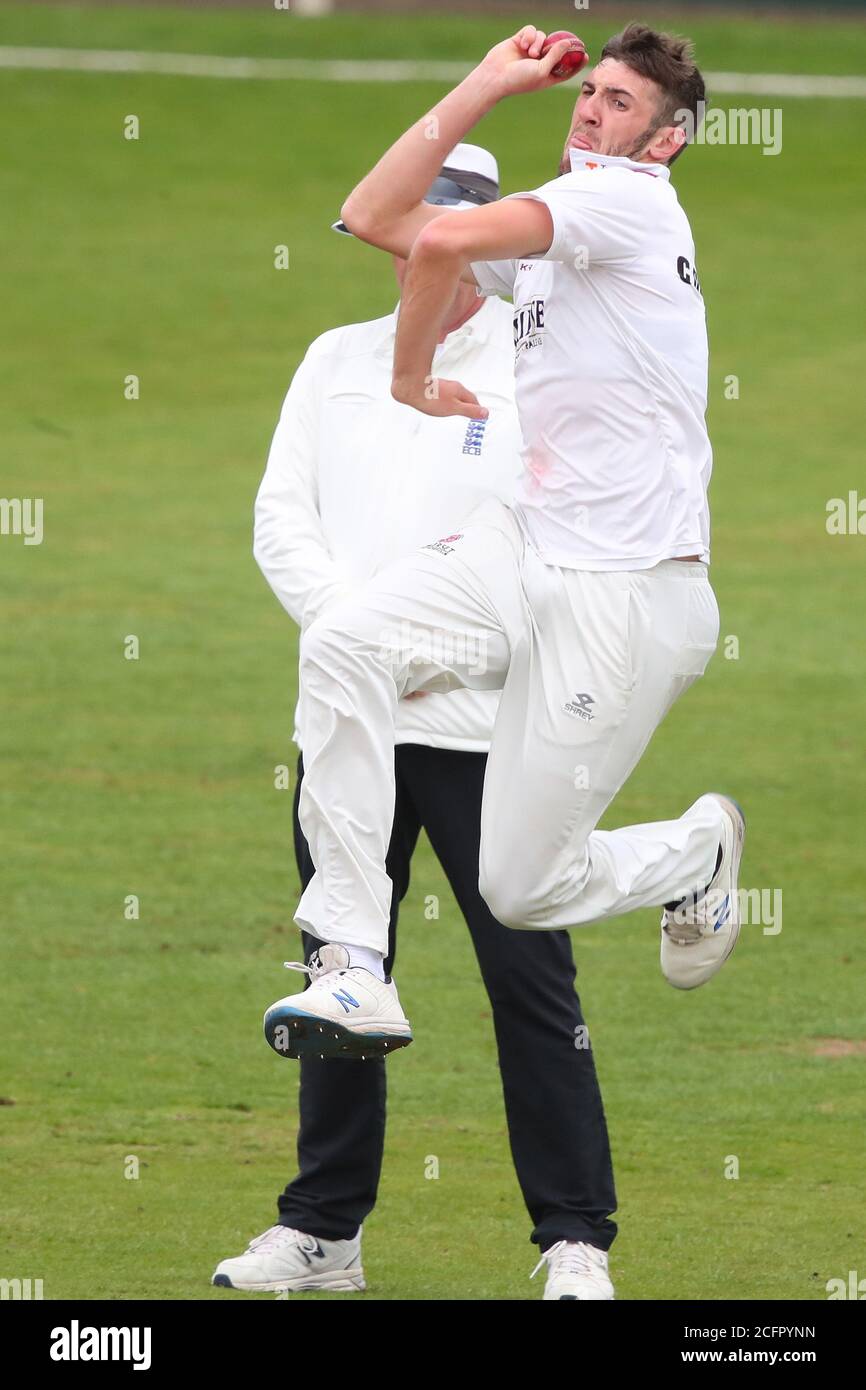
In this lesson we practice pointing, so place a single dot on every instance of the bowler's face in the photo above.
(616, 113)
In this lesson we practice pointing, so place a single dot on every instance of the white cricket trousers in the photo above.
(588, 664)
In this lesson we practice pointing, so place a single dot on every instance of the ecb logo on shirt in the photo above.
(474, 437)
(529, 326)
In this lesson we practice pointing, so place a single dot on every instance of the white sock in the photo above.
(371, 960)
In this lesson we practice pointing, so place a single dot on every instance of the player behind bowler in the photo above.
(589, 597)
(354, 480)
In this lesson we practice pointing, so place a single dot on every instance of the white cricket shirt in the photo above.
(355, 479)
(611, 371)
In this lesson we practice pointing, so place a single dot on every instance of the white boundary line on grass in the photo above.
(388, 70)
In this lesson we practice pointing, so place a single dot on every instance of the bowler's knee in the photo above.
(319, 646)
(510, 904)
(338, 630)
(535, 903)
(345, 646)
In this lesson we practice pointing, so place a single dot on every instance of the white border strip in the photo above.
(329, 70)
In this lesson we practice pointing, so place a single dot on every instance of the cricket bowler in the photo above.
(587, 601)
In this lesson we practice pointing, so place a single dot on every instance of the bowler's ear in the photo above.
(669, 142)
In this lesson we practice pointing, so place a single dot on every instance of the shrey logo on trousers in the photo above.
(579, 706)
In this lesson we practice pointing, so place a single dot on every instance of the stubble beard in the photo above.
(629, 151)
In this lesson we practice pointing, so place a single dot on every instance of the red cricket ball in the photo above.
(572, 60)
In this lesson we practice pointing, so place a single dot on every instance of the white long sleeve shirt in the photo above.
(355, 479)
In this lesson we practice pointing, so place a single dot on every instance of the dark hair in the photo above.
(667, 60)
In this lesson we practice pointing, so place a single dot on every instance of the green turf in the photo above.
(155, 777)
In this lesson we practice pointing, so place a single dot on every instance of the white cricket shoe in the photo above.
(701, 932)
(344, 1012)
(285, 1259)
(576, 1271)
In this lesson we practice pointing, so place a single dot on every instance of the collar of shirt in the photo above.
(476, 327)
(587, 159)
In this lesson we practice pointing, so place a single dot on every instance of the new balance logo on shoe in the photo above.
(345, 998)
(716, 907)
(318, 1252)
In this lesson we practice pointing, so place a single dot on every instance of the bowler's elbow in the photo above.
(441, 239)
(353, 221)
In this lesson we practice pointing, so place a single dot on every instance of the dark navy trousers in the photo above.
(553, 1106)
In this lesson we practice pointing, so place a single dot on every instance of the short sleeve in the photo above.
(495, 277)
(598, 215)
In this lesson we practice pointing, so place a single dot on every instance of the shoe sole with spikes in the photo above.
(292, 1033)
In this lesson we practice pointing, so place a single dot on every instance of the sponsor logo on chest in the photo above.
(529, 325)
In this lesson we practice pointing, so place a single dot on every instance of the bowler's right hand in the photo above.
(516, 65)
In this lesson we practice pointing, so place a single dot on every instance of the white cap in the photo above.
(475, 161)
(469, 178)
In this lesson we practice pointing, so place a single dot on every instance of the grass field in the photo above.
(154, 776)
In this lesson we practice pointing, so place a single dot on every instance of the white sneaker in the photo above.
(575, 1271)
(700, 934)
(345, 1012)
(285, 1259)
